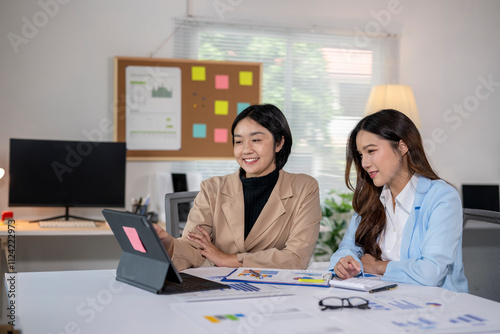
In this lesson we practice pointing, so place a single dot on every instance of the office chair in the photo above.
(481, 215)
(481, 252)
(175, 212)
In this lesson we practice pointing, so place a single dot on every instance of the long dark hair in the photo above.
(270, 117)
(394, 126)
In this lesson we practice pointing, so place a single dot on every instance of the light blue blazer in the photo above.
(431, 248)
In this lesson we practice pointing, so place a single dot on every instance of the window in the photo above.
(321, 82)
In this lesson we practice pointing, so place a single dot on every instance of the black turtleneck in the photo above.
(256, 192)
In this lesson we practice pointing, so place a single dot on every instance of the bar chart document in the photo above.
(153, 108)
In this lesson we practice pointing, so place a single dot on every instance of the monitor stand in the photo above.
(66, 216)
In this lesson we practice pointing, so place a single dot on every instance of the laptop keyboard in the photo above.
(191, 283)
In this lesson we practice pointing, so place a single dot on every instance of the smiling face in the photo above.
(254, 148)
(384, 164)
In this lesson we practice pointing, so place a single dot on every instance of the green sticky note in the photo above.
(221, 107)
(198, 73)
(246, 78)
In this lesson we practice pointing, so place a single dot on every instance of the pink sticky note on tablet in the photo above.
(133, 236)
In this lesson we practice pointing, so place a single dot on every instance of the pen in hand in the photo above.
(388, 287)
(256, 274)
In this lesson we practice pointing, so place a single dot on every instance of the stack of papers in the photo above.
(280, 276)
(239, 290)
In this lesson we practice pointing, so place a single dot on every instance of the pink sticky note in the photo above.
(133, 236)
(221, 81)
(220, 135)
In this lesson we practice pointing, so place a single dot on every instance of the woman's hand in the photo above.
(166, 239)
(212, 253)
(372, 265)
(347, 267)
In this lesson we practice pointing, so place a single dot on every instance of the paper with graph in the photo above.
(280, 276)
(153, 108)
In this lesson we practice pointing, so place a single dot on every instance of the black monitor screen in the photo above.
(66, 173)
(180, 184)
(484, 197)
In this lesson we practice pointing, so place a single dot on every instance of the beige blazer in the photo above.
(284, 235)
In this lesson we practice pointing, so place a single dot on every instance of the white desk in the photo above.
(94, 302)
(25, 228)
(43, 249)
(33, 248)
(70, 248)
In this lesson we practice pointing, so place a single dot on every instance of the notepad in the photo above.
(369, 284)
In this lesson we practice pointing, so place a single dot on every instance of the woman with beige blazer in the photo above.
(259, 216)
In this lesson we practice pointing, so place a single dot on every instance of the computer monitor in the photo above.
(179, 181)
(61, 173)
(483, 197)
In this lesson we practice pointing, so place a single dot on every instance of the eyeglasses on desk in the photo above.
(334, 303)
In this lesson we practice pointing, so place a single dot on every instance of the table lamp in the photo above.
(399, 97)
(2, 172)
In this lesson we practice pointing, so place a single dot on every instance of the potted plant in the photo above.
(337, 212)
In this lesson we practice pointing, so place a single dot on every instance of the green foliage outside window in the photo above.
(337, 212)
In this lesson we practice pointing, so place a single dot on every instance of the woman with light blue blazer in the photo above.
(408, 222)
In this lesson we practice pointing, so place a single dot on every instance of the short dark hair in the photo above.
(270, 117)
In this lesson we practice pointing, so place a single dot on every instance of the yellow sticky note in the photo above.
(198, 73)
(221, 107)
(246, 78)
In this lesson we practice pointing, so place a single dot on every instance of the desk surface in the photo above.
(25, 228)
(94, 302)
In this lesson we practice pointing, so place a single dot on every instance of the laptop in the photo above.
(144, 262)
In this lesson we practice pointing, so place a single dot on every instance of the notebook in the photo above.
(370, 284)
(144, 262)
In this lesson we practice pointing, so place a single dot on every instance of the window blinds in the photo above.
(321, 81)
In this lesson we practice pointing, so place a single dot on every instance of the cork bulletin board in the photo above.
(177, 109)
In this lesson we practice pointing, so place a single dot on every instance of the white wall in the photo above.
(60, 82)
(447, 50)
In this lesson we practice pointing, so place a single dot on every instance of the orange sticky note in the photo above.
(134, 239)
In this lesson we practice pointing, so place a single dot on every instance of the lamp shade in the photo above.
(2, 172)
(399, 97)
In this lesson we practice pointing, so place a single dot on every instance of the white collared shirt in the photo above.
(390, 238)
